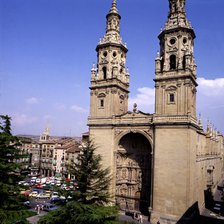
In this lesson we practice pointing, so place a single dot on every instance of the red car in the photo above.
(38, 186)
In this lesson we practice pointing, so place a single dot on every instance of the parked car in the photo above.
(42, 196)
(38, 186)
(25, 193)
(48, 193)
(38, 181)
(58, 201)
(49, 207)
(26, 184)
(21, 182)
(27, 204)
(55, 194)
(33, 194)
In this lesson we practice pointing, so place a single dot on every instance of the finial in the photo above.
(157, 55)
(47, 131)
(200, 121)
(93, 67)
(114, 7)
(127, 70)
(135, 107)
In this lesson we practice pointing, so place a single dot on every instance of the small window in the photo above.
(114, 54)
(104, 73)
(104, 53)
(161, 65)
(172, 62)
(101, 103)
(172, 41)
(172, 98)
(184, 62)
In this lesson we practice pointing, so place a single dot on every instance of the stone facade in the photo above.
(162, 162)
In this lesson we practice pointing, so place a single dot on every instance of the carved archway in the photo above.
(133, 173)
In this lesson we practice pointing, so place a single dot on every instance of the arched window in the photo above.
(104, 73)
(161, 64)
(101, 97)
(173, 62)
(101, 103)
(184, 62)
(175, 7)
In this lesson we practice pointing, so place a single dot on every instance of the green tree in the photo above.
(79, 213)
(9, 177)
(90, 204)
(93, 180)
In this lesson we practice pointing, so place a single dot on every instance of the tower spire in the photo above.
(114, 7)
(112, 34)
(177, 15)
(110, 79)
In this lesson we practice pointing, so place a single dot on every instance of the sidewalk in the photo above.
(35, 219)
(123, 217)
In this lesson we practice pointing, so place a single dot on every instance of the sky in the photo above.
(47, 48)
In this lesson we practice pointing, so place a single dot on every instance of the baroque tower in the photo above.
(175, 79)
(175, 120)
(110, 80)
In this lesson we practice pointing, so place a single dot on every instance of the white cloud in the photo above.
(78, 109)
(145, 99)
(60, 107)
(48, 117)
(210, 101)
(209, 87)
(32, 100)
(23, 119)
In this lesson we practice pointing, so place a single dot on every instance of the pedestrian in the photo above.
(133, 215)
(140, 220)
(38, 209)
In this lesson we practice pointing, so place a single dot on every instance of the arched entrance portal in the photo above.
(133, 173)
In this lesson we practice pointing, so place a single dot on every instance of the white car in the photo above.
(26, 184)
(38, 180)
(21, 182)
(42, 196)
(55, 194)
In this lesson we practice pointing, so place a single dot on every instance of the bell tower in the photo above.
(175, 79)
(175, 118)
(110, 78)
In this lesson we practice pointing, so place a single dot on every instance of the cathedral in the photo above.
(161, 163)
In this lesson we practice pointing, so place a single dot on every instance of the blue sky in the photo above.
(47, 48)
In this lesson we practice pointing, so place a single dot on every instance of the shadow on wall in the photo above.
(192, 216)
